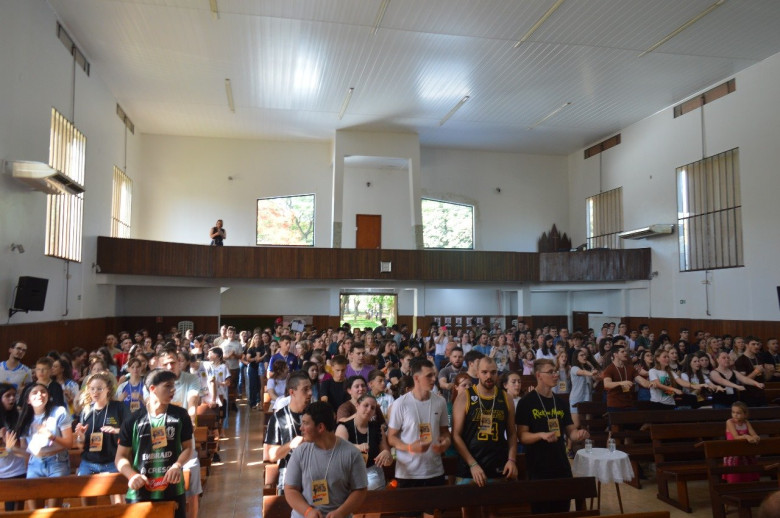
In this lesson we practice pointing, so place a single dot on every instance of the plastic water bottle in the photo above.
(588, 446)
(611, 445)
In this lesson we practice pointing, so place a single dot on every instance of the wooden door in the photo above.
(369, 231)
(580, 320)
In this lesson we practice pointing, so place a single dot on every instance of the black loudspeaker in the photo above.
(31, 294)
(778, 294)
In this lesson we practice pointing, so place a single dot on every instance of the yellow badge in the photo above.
(135, 406)
(319, 492)
(159, 440)
(96, 441)
(426, 435)
(562, 386)
(554, 426)
(486, 423)
(3, 452)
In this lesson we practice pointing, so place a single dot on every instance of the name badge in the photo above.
(426, 435)
(135, 406)
(625, 388)
(486, 423)
(562, 386)
(365, 457)
(3, 452)
(730, 390)
(319, 492)
(554, 426)
(159, 439)
(96, 441)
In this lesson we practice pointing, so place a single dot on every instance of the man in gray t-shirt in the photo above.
(335, 475)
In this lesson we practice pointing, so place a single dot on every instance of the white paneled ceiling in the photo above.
(291, 63)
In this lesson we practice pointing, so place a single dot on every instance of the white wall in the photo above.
(387, 196)
(534, 193)
(644, 164)
(146, 301)
(37, 75)
(184, 188)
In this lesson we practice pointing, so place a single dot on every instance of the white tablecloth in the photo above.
(605, 466)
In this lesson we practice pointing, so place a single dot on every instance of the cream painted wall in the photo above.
(387, 196)
(534, 193)
(37, 75)
(185, 188)
(144, 301)
(644, 164)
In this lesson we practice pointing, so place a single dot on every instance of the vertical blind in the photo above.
(709, 213)
(65, 212)
(605, 219)
(121, 204)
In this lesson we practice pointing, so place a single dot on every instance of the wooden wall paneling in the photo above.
(62, 336)
(762, 329)
(595, 265)
(203, 324)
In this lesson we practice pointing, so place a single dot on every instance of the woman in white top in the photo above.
(582, 374)
(665, 384)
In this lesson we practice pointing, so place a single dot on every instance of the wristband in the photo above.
(409, 448)
(511, 460)
(176, 465)
(473, 464)
(307, 511)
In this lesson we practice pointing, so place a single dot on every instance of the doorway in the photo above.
(369, 231)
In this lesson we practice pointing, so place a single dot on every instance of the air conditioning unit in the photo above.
(651, 231)
(43, 178)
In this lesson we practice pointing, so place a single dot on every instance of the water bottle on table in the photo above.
(588, 446)
(611, 445)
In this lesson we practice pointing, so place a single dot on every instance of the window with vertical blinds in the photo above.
(709, 213)
(65, 212)
(122, 200)
(605, 219)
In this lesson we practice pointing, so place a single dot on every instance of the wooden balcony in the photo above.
(141, 257)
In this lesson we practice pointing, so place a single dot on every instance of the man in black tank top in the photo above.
(484, 433)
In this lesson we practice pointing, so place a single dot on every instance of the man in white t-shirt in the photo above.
(419, 431)
(232, 351)
(13, 371)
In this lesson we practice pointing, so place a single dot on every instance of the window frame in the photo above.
(613, 227)
(122, 198)
(447, 202)
(313, 218)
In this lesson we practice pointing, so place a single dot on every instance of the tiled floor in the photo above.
(234, 489)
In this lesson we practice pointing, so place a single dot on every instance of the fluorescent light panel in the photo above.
(229, 93)
(379, 15)
(454, 109)
(550, 115)
(684, 26)
(345, 104)
(539, 23)
(214, 9)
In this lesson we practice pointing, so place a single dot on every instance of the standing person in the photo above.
(582, 375)
(252, 359)
(733, 381)
(368, 436)
(619, 378)
(333, 390)
(62, 373)
(44, 433)
(483, 430)
(43, 376)
(326, 475)
(11, 466)
(512, 383)
(284, 354)
(231, 354)
(356, 388)
(739, 428)
(218, 234)
(377, 388)
(13, 371)
(97, 431)
(544, 423)
(419, 431)
(357, 366)
(750, 365)
(218, 379)
(155, 444)
(283, 433)
(132, 392)
(448, 373)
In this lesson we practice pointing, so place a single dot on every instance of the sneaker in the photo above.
(216, 458)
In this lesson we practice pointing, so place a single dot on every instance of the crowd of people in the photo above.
(395, 397)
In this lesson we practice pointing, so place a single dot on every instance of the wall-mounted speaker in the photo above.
(31, 294)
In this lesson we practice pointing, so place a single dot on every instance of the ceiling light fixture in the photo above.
(347, 98)
(550, 115)
(214, 9)
(684, 26)
(454, 109)
(539, 23)
(229, 93)
(379, 15)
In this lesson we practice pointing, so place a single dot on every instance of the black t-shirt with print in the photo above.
(114, 415)
(545, 459)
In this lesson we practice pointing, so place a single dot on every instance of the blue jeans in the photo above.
(92, 468)
(56, 465)
(242, 384)
(253, 382)
(438, 360)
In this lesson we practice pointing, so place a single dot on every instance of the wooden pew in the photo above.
(678, 460)
(509, 494)
(72, 486)
(742, 495)
(631, 429)
(139, 510)
(593, 419)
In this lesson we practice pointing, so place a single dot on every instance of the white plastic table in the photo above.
(606, 466)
